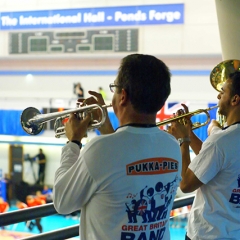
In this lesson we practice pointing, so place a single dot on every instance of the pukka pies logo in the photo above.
(151, 166)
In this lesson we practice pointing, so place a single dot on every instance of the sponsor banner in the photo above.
(92, 17)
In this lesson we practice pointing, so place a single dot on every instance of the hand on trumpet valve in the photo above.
(179, 130)
(187, 119)
(75, 128)
(182, 127)
(96, 98)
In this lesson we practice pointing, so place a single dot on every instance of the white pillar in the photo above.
(228, 13)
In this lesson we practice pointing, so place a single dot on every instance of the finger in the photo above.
(71, 117)
(98, 96)
(185, 108)
(88, 101)
(87, 119)
(169, 129)
(180, 112)
(187, 111)
(174, 116)
(81, 100)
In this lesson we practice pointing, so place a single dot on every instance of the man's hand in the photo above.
(181, 128)
(97, 98)
(75, 128)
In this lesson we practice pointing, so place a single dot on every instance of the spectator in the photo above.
(4, 206)
(47, 192)
(103, 93)
(8, 183)
(41, 160)
(33, 201)
(79, 90)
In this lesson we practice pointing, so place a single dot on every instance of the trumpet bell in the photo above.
(29, 126)
(220, 72)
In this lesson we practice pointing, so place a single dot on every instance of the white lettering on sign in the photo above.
(167, 16)
(89, 17)
(7, 21)
(130, 17)
(55, 19)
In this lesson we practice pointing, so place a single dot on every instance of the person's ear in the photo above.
(235, 99)
(124, 97)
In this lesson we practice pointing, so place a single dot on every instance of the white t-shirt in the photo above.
(215, 129)
(215, 213)
(116, 181)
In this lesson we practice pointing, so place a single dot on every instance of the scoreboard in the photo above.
(82, 41)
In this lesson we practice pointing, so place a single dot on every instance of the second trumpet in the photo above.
(190, 114)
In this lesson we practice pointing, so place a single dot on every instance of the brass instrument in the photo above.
(220, 72)
(219, 76)
(32, 120)
(189, 115)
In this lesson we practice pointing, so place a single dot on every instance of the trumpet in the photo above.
(32, 120)
(190, 114)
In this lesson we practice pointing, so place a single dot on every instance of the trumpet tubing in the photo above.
(190, 114)
(32, 120)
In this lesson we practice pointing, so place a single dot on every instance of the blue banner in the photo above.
(94, 17)
(2, 186)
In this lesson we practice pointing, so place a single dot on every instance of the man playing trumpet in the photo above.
(124, 181)
(215, 171)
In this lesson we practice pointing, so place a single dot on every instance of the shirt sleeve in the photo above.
(215, 130)
(207, 163)
(73, 185)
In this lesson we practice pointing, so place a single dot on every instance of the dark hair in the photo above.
(146, 80)
(235, 77)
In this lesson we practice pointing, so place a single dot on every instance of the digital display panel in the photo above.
(89, 41)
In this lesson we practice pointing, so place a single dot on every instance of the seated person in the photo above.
(47, 192)
(4, 206)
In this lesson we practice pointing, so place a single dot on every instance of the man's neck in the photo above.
(233, 117)
(129, 117)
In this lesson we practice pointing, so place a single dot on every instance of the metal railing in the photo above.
(22, 215)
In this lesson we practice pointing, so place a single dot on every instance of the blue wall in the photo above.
(10, 123)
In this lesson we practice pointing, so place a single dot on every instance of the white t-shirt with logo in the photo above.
(124, 183)
(215, 213)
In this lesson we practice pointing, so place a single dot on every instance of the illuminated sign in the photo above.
(88, 17)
